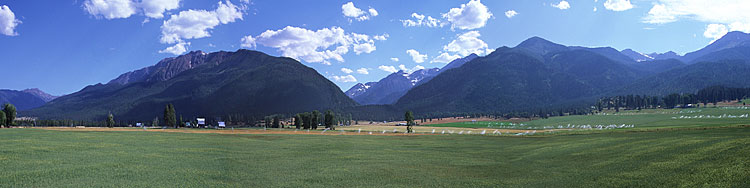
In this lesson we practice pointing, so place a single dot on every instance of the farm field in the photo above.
(716, 157)
(643, 119)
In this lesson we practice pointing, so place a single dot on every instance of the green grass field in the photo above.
(694, 158)
(643, 119)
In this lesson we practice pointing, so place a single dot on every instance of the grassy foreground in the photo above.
(43, 158)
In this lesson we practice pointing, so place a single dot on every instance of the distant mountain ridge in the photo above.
(25, 99)
(389, 89)
(242, 83)
(165, 69)
(730, 40)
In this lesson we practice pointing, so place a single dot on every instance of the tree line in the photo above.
(713, 94)
(311, 120)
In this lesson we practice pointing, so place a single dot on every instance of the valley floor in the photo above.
(715, 157)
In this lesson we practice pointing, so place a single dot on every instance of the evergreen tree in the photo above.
(170, 119)
(110, 120)
(315, 119)
(276, 122)
(329, 116)
(10, 114)
(297, 121)
(307, 120)
(409, 118)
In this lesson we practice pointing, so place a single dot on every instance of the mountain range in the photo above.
(535, 74)
(242, 83)
(389, 89)
(25, 99)
(539, 74)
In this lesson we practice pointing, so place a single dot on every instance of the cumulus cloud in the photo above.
(445, 58)
(177, 49)
(373, 12)
(510, 13)
(410, 70)
(110, 9)
(390, 69)
(347, 78)
(156, 8)
(363, 48)
(193, 24)
(562, 5)
(8, 21)
(731, 15)
(351, 11)
(347, 71)
(394, 59)
(381, 37)
(715, 31)
(618, 5)
(467, 43)
(419, 20)
(471, 15)
(363, 71)
(312, 46)
(416, 56)
(113, 9)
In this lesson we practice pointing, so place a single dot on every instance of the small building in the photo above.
(222, 124)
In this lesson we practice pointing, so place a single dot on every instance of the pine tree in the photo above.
(110, 120)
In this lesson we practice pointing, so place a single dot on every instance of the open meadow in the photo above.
(692, 157)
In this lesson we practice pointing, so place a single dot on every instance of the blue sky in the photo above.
(62, 46)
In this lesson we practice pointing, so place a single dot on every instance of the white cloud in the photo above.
(408, 70)
(373, 12)
(193, 24)
(8, 21)
(177, 49)
(347, 78)
(349, 10)
(471, 15)
(467, 43)
(347, 71)
(618, 5)
(363, 71)
(416, 56)
(312, 46)
(732, 14)
(510, 13)
(562, 5)
(394, 59)
(419, 20)
(390, 69)
(363, 48)
(445, 58)
(113, 9)
(381, 37)
(715, 31)
(156, 8)
(110, 9)
(228, 12)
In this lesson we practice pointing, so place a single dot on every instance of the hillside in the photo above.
(537, 73)
(244, 83)
(389, 89)
(22, 100)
